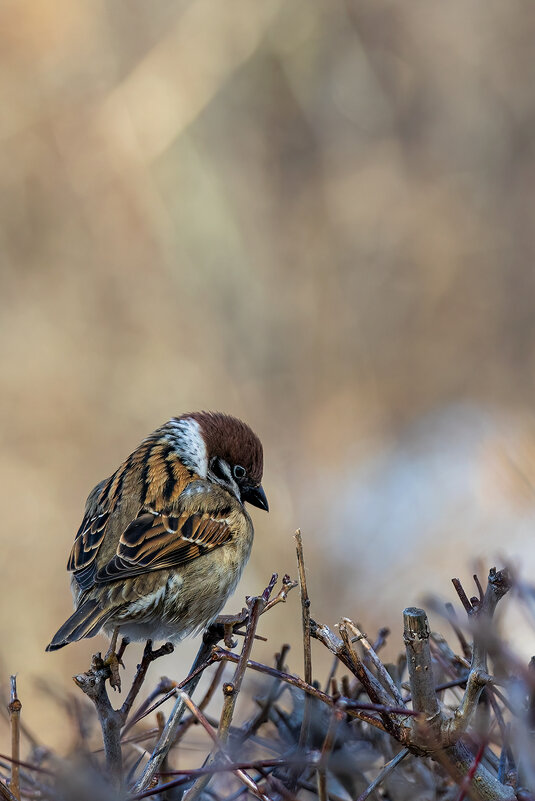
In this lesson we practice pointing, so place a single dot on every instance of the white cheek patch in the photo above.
(224, 478)
(189, 444)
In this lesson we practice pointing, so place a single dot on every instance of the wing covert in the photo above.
(156, 541)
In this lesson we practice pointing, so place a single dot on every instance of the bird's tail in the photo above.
(85, 622)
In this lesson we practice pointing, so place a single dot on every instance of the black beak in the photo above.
(255, 496)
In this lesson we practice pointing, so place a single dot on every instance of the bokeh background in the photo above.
(317, 216)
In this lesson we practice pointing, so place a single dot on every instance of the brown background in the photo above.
(317, 216)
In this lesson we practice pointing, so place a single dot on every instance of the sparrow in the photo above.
(164, 540)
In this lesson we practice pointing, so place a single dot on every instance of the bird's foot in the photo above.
(114, 659)
(228, 637)
(229, 623)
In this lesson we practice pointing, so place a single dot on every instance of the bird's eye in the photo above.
(239, 471)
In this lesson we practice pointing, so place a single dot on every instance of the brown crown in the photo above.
(232, 440)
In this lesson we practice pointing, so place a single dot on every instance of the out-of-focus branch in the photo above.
(481, 615)
(305, 617)
(435, 733)
(197, 788)
(211, 636)
(447, 730)
(431, 732)
(384, 772)
(338, 715)
(459, 762)
(6, 794)
(14, 715)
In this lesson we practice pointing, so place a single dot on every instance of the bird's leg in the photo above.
(113, 642)
(114, 658)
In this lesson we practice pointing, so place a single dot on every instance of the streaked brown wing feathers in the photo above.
(85, 548)
(158, 541)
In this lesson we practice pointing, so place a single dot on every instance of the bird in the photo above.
(165, 538)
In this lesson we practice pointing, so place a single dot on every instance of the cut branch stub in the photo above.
(424, 698)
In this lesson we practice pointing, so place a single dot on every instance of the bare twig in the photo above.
(459, 761)
(210, 770)
(263, 714)
(482, 758)
(295, 681)
(148, 657)
(93, 684)
(452, 617)
(21, 763)
(216, 739)
(14, 715)
(382, 634)
(465, 785)
(231, 689)
(280, 598)
(481, 615)
(332, 673)
(204, 658)
(382, 673)
(165, 687)
(462, 595)
(211, 636)
(305, 615)
(344, 650)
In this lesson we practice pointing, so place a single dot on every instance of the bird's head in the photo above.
(224, 450)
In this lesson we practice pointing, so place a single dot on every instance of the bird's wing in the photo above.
(166, 539)
(89, 538)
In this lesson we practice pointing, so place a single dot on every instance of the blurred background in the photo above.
(316, 216)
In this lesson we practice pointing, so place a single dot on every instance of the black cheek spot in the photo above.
(218, 471)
